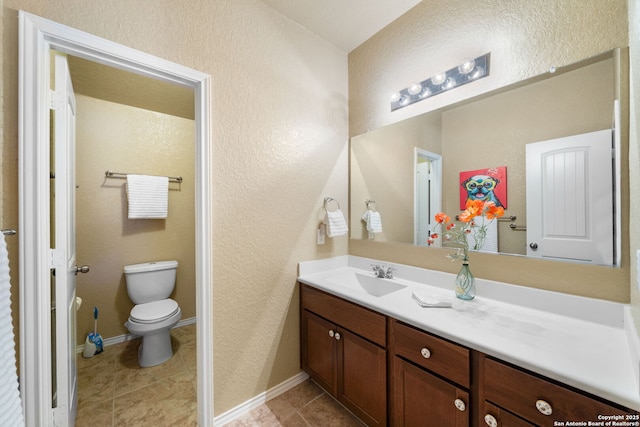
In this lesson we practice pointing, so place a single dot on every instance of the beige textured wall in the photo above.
(525, 38)
(280, 131)
(127, 139)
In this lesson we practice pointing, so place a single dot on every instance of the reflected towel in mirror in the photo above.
(373, 221)
(491, 238)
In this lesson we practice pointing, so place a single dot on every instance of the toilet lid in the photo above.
(154, 311)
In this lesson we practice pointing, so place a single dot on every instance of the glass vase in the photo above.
(465, 283)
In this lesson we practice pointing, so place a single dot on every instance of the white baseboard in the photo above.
(126, 337)
(260, 399)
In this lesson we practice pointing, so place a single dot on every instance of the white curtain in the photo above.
(10, 404)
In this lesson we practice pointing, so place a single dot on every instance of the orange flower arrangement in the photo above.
(457, 235)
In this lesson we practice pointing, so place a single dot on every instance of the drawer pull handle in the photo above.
(331, 333)
(425, 353)
(490, 420)
(460, 405)
(543, 407)
(337, 336)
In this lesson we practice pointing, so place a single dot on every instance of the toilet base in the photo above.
(155, 349)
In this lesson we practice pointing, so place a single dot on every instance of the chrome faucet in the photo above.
(381, 272)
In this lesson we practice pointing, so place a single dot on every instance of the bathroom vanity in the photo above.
(511, 357)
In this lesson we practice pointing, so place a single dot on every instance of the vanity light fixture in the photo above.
(469, 70)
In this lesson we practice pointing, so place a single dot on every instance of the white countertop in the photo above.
(586, 343)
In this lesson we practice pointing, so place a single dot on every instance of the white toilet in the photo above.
(149, 286)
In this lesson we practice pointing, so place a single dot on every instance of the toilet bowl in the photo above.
(149, 286)
(153, 324)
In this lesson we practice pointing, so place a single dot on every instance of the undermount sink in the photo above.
(377, 286)
(368, 283)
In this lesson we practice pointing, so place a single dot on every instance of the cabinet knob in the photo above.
(544, 407)
(425, 353)
(331, 333)
(490, 420)
(337, 336)
(460, 405)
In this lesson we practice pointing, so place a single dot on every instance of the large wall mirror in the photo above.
(409, 170)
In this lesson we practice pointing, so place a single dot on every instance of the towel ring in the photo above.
(371, 202)
(328, 200)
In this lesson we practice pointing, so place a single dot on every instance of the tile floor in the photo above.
(113, 391)
(305, 405)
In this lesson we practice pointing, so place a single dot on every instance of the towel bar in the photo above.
(111, 174)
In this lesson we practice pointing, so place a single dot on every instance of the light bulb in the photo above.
(438, 79)
(467, 66)
(450, 83)
(479, 72)
(395, 96)
(404, 100)
(426, 93)
(415, 89)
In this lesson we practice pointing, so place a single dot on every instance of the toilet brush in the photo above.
(93, 343)
(97, 339)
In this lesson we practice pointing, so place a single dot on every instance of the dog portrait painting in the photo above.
(487, 185)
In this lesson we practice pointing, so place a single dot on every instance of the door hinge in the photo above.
(59, 417)
(56, 258)
(56, 100)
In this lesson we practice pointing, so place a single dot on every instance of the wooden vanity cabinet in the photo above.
(431, 379)
(511, 396)
(343, 350)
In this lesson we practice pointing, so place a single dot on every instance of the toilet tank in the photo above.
(150, 281)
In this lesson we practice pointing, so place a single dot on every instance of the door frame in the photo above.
(436, 161)
(36, 37)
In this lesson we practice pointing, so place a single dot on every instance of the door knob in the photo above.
(533, 246)
(83, 269)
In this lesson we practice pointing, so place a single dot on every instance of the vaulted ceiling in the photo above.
(344, 23)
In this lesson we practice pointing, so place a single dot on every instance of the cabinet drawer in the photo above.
(357, 319)
(436, 354)
(538, 400)
(492, 415)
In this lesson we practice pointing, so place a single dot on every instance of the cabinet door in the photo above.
(319, 350)
(363, 378)
(422, 399)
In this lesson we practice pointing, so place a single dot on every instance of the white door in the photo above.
(570, 198)
(63, 245)
(427, 194)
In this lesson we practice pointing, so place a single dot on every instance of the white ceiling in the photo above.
(344, 23)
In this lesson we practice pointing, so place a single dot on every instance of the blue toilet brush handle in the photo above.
(95, 320)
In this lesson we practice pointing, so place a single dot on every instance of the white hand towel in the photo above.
(373, 220)
(148, 196)
(336, 224)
